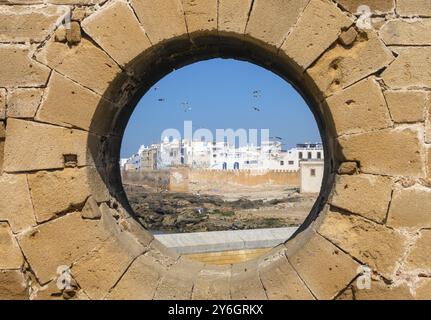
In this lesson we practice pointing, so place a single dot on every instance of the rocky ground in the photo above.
(194, 212)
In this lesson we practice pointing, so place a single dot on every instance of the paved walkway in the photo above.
(200, 242)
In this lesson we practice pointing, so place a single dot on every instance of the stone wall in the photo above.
(66, 93)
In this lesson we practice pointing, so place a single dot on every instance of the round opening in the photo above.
(222, 160)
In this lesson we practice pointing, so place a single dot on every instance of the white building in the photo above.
(311, 173)
(223, 156)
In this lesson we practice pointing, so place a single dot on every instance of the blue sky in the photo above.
(220, 95)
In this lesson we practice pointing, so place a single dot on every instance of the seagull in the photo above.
(256, 109)
(162, 99)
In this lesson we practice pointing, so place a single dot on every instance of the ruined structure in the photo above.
(66, 93)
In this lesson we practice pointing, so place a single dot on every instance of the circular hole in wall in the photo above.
(222, 160)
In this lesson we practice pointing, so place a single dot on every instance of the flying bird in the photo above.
(256, 109)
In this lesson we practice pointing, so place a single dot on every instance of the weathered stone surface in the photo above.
(2, 130)
(407, 106)
(141, 278)
(319, 26)
(406, 32)
(79, 2)
(81, 63)
(13, 285)
(419, 257)
(155, 25)
(366, 195)
(410, 208)
(60, 34)
(410, 69)
(212, 283)
(378, 6)
(20, 70)
(99, 270)
(116, 29)
(29, 23)
(280, 280)
(60, 242)
(359, 108)
(262, 25)
(73, 33)
(389, 152)
(23, 103)
(245, 283)
(10, 254)
(68, 104)
(348, 167)
(423, 291)
(233, 15)
(414, 7)
(335, 268)
(381, 291)
(56, 192)
(177, 283)
(201, 15)
(2, 104)
(91, 210)
(15, 203)
(341, 66)
(374, 245)
(47, 144)
(348, 37)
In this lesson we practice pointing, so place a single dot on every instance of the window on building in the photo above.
(319, 155)
(310, 155)
(281, 163)
(313, 172)
(300, 155)
(291, 163)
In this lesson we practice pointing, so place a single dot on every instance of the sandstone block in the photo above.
(245, 283)
(405, 32)
(81, 63)
(348, 168)
(91, 210)
(212, 283)
(233, 15)
(20, 69)
(155, 25)
(281, 281)
(2, 130)
(73, 33)
(178, 282)
(382, 291)
(410, 69)
(99, 270)
(23, 103)
(116, 29)
(319, 26)
(342, 66)
(16, 206)
(348, 37)
(423, 292)
(406, 106)
(389, 152)
(366, 195)
(419, 257)
(60, 34)
(141, 279)
(60, 243)
(414, 7)
(29, 23)
(13, 285)
(410, 208)
(373, 244)
(324, 268)
(68, 104)
(10, 254)
(56, 192)
(261, 25)
(359, 108)
(378, 6)
(2, 104)
(47, 144)
(201, 15)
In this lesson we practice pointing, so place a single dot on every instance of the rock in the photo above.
(116, 29)
(23, 103)
(73, 33)
(407, 106)
(20, 70)
(2, 104)
(378, 6)
(10, 253)
(348, 37)
(348, 167)
(359, 108)
(155, 24)
(233, 16)
(419, 257)
(261, 24)
(366, 195)
(414, 8)
(381, 291)
(370, 243)
(245, 283)
(394, 152)
(91, 209)
(201, 15)
(318, 27)
(406, 32)
(335, 268)
(212, 283)
(60, 34)
(410, 208)
(13, 285)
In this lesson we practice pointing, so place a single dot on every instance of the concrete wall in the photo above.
(311, 175)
